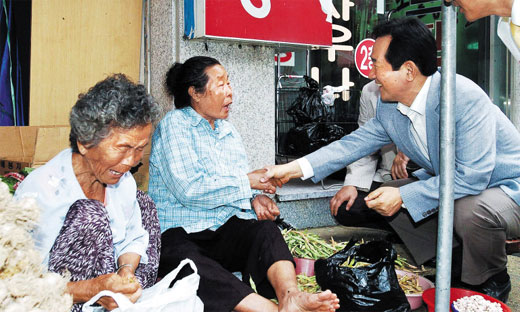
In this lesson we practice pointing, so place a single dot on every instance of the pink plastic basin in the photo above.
(304, 266)
(415, 300)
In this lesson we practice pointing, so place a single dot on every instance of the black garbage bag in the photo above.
(373, 288)
(302, 140)
(307, 107)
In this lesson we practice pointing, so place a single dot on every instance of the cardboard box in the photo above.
(30, 146)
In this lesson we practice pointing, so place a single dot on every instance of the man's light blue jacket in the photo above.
(487, 147)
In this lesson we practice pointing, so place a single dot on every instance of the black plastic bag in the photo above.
(373, 288)
(307, 107)
(305, 139)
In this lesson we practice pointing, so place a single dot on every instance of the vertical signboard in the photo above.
(352, 22)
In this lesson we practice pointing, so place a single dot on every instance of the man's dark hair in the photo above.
(180, 77)
(411, 41)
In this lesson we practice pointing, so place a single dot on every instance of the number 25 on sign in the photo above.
(362, 56)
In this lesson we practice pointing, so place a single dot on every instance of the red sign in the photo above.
(286, 59)
(277, 21)
(362, 56)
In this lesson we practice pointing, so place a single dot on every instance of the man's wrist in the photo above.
(300, 168)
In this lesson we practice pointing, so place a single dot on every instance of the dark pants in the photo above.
(482, 223)
(247, 246)
(84, 245)
(360, 215)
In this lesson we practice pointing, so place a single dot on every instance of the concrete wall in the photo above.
(250, 67)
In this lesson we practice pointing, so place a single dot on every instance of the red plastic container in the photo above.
(304, 266)
(457, 293)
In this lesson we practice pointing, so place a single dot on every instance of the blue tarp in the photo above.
(11, 100)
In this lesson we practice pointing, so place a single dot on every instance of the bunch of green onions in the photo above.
(308, 245)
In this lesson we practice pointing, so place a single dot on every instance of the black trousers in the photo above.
(246, 246)
(360, 215)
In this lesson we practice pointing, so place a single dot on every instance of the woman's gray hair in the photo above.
(115, 102)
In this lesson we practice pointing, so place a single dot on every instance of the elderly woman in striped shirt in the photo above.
(200, 181)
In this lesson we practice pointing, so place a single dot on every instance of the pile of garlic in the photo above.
(476, 303)
(25, 284)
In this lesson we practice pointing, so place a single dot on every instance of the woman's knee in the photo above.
(146, 204)
(149, 217)
(87, 209)
(266, 229)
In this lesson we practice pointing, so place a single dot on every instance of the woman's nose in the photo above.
(133, 157)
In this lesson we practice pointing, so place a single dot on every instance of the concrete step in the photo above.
(304, 204)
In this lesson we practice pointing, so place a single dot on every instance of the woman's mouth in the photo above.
(116, 173)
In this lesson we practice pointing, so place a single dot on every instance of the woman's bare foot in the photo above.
(297, 301)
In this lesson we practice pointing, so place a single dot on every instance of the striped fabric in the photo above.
(198, 175)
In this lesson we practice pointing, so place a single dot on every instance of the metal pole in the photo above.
(148, 48)
(515, 95)
(447, 159)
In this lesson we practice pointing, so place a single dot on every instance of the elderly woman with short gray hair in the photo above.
(94, 222)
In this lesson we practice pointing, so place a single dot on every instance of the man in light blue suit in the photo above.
(487, 158)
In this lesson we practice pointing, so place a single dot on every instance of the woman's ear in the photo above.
(195, 96)
(82, 148)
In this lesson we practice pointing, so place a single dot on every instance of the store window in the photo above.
(335, 66)
(481, 57)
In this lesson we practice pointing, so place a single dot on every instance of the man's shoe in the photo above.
(497, 286)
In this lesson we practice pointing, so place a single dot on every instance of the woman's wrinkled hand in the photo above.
(126, 285)
(265, 208)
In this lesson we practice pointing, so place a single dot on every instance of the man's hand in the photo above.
(399, 166)
(385, 200)
(265, 208)
(260, 181)
(347, 193)
(284, 172)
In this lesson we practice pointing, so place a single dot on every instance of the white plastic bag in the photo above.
(182, 296)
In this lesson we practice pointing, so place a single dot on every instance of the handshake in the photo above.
(270, 177)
